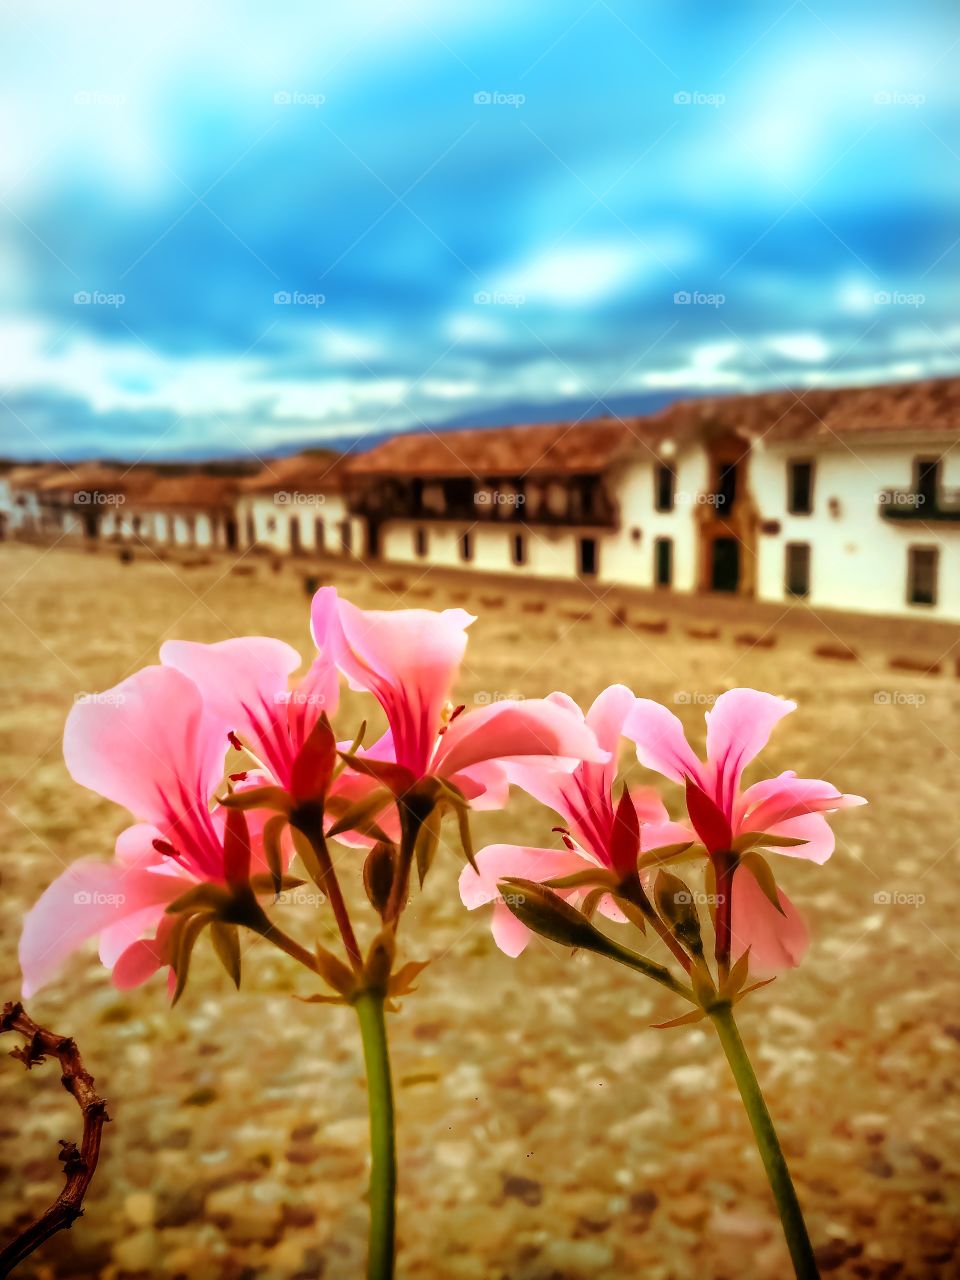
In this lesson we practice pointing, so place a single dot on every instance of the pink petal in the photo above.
(408, 659)
(149, 745)
(244, 682)
(143, 958)
(485, 785)
(738, 728)
(776, 941)
(657, 835)
(135, 846)
(87, 898)
(661, 742)
(536, 731)
(510, 934)
(811, 827)
(497, 861)
(776, 799)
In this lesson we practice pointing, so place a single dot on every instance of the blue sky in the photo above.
(242, 228)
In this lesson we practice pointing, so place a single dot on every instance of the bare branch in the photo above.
(79, 1165)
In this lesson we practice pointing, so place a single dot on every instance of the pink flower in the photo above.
(738, 728)
(409, 659)
(245, 683)
(152, 746)
(600, 834)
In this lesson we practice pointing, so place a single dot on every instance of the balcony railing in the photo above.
(907, 504)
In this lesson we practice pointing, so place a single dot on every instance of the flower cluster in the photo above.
(231, 767)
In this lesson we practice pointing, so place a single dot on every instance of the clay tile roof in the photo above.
(547, 449)
(95, 476)
(921, 408)
(192, 491)
(30, 476)
(313, 471)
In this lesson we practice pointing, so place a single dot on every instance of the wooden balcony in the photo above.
(909, 505)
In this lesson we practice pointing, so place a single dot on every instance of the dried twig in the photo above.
(79, 1165)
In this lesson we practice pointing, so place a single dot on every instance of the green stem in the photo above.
(771, 1153)
(383, 1142)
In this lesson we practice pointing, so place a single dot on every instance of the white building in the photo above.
(297, 505)
(848, 499)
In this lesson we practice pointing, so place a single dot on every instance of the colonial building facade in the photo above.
(846, 499)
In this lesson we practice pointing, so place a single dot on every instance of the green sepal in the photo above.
(272, 833)
(186, 932)
(257, 798)
(360, 816)
(213, 897)
(428, 841)
(685, 1020)
(749, 838)
(226, 943)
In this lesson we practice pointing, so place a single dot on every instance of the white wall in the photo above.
(273, 516)
(858, 559)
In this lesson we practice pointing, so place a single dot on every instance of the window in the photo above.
(519, 549)
(663, 562)
(319, 534)
(587, 557)
(466, 546)
(797, 573)
(922, 566)
(664, 486)
(726, 486)
(346, 536)
(420, 541)
(926, 481)
(800, 488)
(295, 547)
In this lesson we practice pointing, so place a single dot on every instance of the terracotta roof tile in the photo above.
(314, 471)
(548, 449)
